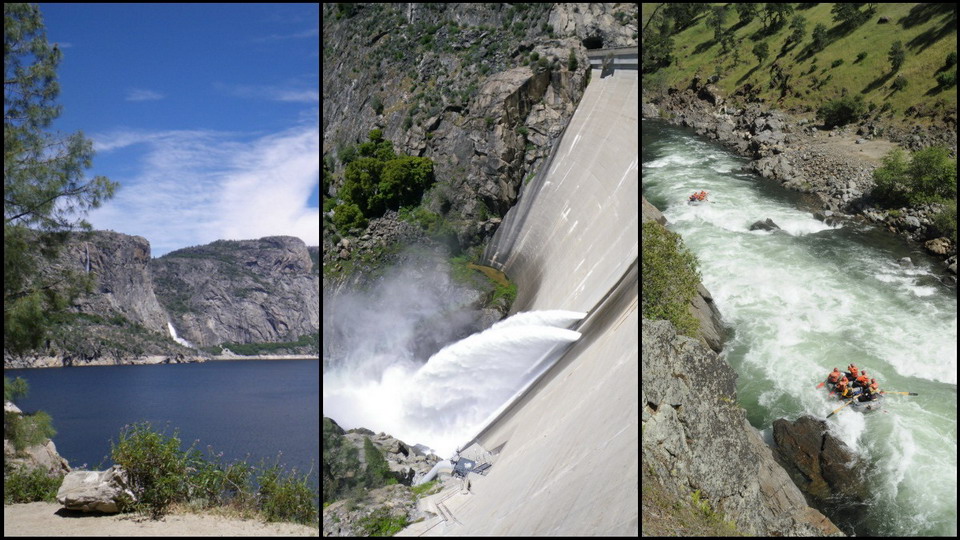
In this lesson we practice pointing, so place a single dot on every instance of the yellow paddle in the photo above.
(902, 393)
(838, 410)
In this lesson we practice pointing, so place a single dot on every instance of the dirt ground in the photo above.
(47, 519)
(872, 150)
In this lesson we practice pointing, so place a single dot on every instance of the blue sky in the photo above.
(206, 114)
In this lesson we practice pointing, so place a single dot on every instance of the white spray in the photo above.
(444, 402)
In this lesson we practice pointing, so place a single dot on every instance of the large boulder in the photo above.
(96, 491)
(821, 465)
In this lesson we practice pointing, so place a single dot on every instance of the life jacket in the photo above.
(834, 376)
(854, 372)
(863, 380)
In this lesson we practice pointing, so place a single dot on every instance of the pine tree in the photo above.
(44, 190)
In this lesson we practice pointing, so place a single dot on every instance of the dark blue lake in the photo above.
(261, 408)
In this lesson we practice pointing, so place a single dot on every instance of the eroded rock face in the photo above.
(696, 437)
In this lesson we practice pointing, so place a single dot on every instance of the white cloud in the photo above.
(140, 94)
(274, 93)
(309, 33)
(199, 186)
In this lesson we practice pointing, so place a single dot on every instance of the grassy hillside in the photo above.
(928, 33)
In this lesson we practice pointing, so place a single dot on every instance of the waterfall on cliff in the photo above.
(173, 334)
(444, 402)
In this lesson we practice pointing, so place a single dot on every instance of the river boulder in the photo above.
(821, 465)
(765, 225)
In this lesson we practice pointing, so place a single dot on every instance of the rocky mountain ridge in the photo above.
(264, 291)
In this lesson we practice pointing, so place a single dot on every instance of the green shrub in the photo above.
(161, 474)
(947, 79)
(670, 278)
(572, 63)
(26, 429)
(899, 83)
(842, 111)
(155, 466)
(348, 216)
(946, 221)
(381, 522)
(378, 471)
(21, 485)
(929, 176)
(381, 180)
(286, 497)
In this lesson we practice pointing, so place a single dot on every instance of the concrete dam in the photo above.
(563, 457)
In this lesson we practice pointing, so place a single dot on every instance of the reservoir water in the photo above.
(261, 407)
(811, 297)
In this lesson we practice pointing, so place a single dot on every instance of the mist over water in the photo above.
(812, 297)
(373, 378)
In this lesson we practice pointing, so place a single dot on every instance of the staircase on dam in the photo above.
(565, 454)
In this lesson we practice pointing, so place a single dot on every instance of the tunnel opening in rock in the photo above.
(593, 42)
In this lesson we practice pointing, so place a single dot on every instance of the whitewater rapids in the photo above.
(811, 297)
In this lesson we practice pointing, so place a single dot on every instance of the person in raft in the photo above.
(844, 389)
(834, 376)
(853, 372)
(870, 392)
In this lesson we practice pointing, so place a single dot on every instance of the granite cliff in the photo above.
(264, 292)
(247, 291)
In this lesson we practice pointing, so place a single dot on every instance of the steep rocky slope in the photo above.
(482, 89)
(247, 291)
(697, 443)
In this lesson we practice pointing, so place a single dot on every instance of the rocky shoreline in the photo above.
(834, 167)
(33, 361)
(59, 361)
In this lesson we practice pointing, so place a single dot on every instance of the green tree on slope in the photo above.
(670, 278)
(44, 190)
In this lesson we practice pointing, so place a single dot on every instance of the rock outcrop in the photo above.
(821, 465)
(123, 285)
(243, 291)
(483, 89)
(696, 439)
(356, 515)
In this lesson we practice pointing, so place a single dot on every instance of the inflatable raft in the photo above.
(857, 405)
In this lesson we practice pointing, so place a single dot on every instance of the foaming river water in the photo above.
(811, 297)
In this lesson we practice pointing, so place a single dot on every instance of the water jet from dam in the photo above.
(443, 403)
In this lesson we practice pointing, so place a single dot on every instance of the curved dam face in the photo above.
(565, 454)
